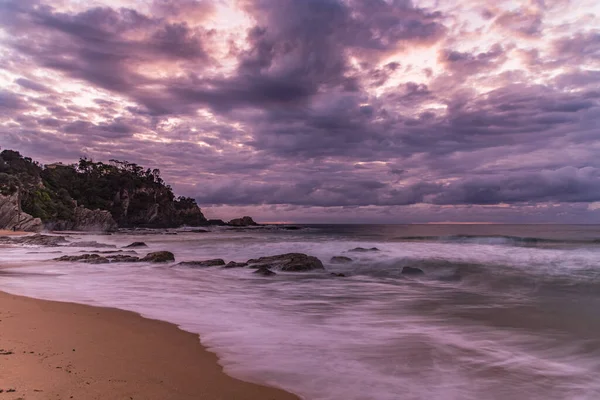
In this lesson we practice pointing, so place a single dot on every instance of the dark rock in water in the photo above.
(91, 244)
(199, 231)
(291, 228)
(363, 250)
(288, 262)
(205, 263)
(86, 258)
(412, 271)
(123, 258)
(216, 222)
(264, 271)
(159, 257)
(340, 260)
(338, 274)
(35, 240)
(233, 264)
(135, 244)
(244, 221)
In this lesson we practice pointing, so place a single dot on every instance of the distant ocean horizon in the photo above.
(500, 311)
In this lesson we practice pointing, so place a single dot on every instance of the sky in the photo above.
(333, 111)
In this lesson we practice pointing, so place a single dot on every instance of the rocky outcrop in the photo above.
(244, 221)
(135, 245)
(93, 220)
(291, 262)
(201, 264)
(85, 258)
(95, 244)
(340, 260)
(159, 257)
(233, 264)
(13, 218)
(264, 271)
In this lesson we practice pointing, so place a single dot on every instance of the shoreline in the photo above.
(65, 350)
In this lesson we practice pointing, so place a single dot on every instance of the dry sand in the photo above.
(51, 350)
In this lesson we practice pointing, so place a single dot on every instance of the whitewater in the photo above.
(502, 312)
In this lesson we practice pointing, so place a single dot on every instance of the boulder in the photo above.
(201, 264)
(340, 260)
(12, 218)
(233, 264)
(85, 258)
(363, 250)
(216, 222)
(135, 244)
(412, 271)
(244, 221)
(264, 271)
(159, 257)
(288, 262)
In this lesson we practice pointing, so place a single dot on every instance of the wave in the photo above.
(499, 240)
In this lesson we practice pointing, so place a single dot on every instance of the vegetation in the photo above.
(134, 196)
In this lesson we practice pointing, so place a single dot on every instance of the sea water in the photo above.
(502, 312)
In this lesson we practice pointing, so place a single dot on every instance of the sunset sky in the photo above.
(319, 110)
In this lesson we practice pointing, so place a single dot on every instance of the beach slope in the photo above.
(53, 350)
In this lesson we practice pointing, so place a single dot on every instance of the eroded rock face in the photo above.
(340, 260)
(288, 262)
(217, 262)
(12, 218)
(159, 257)
(93, 220)
(244, 221)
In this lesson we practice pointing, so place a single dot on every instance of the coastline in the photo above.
(71, 351)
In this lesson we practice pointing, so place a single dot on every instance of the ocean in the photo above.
(501, 311)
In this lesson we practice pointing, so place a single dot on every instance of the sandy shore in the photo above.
(14, 233)
(52, 350)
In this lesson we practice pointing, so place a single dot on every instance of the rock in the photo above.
(233, 264)
(205, 263)
(244, 221)
(363, 250)
(159, 257)
(91, 244)
(12, 217)
(337, 274)
(135, 244)
(340, 260)
(123, 258)
(264, 271)
(412, 271)
(291, 228)
(34, 240)
(288, 262)
(93, 220)
(199, 231)
(86, 258)
(216, 222)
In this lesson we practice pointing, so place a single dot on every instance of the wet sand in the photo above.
(53, 350)
(14, 233)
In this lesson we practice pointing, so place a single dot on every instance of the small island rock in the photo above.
(159, 256)
(412, 271)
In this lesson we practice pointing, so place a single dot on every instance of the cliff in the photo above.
(11, 216)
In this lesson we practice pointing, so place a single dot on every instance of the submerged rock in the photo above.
(34, 240)
(159, 257)
(86, 258)
(205, 263)
(340, 260)
(412, 271)
(91, 244)
(123, 258)
(264, 271)
(363, 250)
(288, 262)
(233, 264)
(199, 231)
(338, 274)
(135, 244)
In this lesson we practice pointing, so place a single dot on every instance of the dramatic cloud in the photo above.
(319, 110)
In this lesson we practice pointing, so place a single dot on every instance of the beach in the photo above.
(56, 350)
